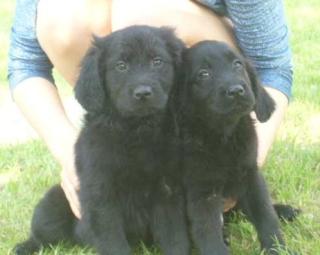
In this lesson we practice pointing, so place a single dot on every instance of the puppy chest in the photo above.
(142, 162)
(136, 206)
(215, 170)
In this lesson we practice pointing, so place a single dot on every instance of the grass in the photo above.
(292, 170)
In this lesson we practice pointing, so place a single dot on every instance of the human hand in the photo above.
(62, 148)
(69, 179)
(228, 204)
(70, 186)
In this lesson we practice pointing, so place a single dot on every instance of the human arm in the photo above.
(41, 105)
(262, 34)
(32, 87)
(267, 131)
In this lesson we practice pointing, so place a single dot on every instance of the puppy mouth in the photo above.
(241, 107)
(149, 107)
(234, 108)
(144, 110)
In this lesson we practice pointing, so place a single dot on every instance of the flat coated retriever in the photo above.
(125, 158)
(219, 92)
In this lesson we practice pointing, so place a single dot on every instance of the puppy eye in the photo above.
(121, 66)
(157, 61)
(237, 64)
(203, 74)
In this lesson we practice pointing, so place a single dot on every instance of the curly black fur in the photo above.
(220, 91)
(126, 157)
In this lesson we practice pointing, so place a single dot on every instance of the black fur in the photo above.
(125, 158)
(286, 213)
(219, 92)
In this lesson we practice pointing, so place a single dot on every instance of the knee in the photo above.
(59, 27)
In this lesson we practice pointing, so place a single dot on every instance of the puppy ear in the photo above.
(176, 48)
(181, 91)
(265, 105)
(89, 89)
(174, 44)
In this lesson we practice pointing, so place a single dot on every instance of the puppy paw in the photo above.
(26, 248)
(286, 212)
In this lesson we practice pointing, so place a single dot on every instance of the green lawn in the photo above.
(292, 170)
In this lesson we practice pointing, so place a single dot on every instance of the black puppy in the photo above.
(219, 93)
(125, 158)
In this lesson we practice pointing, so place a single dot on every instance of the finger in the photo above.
(71, 194)
(72, 199)
(229, 203)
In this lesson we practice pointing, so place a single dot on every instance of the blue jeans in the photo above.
(26, 57)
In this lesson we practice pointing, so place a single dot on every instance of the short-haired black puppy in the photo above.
(129, 178)
(220, 150)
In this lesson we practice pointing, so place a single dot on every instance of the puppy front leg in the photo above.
(205, 216)
(106, 231)
(169, 226)
(256, 204)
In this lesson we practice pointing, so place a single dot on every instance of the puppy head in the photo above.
(222, 83)
(131, 71)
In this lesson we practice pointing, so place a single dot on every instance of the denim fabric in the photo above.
(217, 5)
(259, 25)
(26, 58)
(262, 34)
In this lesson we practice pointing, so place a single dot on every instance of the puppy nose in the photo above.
(235, 91)
(142, 92)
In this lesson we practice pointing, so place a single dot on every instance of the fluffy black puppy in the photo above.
(125, 158)
(219, 92)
